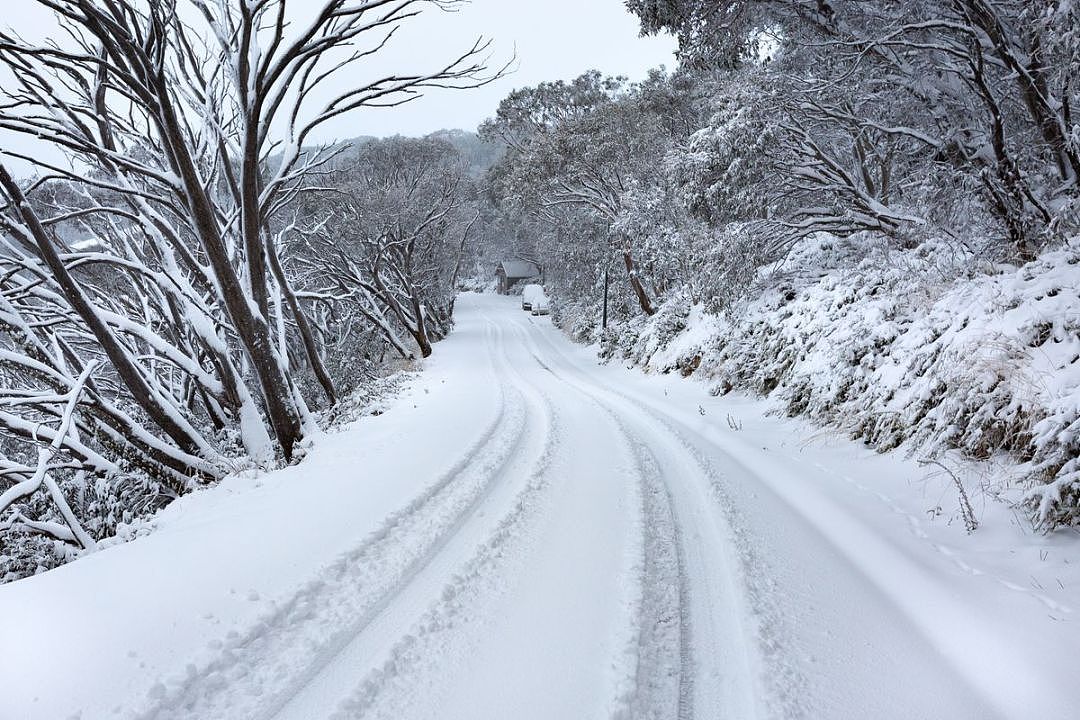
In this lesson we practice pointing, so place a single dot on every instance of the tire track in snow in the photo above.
(660, 683)
(663, 679)
(769, 685)
(417, 633)
(782, 681)
(254, 672)
(422, 644)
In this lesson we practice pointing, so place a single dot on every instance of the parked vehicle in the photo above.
(528, 294)
(541, 304)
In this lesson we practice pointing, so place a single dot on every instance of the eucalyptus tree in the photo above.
(394, 238)
(895, 111)
(582, 147)
(152, 253)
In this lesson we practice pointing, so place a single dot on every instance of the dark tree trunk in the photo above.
(302, 323)
(635, 282)
(607, 286)
(129, 373)
(250, 186)
(421, 332)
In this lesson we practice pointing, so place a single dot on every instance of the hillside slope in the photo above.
(925, 348)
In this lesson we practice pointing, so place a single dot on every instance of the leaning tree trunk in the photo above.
(306, 334)
(252, 328)
(457, 265)
(166, 418)
(420, 330)
(635, 280)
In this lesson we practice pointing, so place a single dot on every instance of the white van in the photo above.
(529, 294)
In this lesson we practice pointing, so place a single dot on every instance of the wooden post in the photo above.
(607, 284)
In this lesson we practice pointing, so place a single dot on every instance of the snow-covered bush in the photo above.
(580, 320)
(929, 346)
(639, 339)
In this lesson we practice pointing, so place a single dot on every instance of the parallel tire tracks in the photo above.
(662, 684)
(767, 686)
(255, 672)
(782, 684)
(419, 641)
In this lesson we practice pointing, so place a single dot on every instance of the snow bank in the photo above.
(927, 347)
(145, 621)
(126, 505)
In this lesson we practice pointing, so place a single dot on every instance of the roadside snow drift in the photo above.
(982, 363)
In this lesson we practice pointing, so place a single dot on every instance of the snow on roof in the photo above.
(519, 268)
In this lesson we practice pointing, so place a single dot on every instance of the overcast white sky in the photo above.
(551, 39)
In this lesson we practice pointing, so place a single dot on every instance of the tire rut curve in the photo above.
(277, 655)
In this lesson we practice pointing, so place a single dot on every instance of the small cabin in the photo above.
(512, 272)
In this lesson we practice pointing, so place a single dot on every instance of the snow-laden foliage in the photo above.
(918, 346)
(157, 327)
(873, 98)
(394, 240)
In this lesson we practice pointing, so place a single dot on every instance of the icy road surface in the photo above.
(528, 535)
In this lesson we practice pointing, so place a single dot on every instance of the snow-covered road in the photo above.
(526, 534)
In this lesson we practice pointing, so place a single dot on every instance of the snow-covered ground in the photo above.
(929, 347)
(527, 534)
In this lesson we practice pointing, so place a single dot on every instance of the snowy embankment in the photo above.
(114, 633)
(905, 347)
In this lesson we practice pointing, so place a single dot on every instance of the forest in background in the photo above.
(866, 209)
